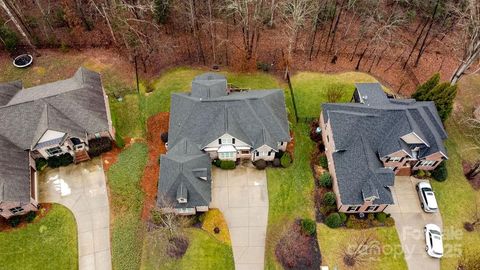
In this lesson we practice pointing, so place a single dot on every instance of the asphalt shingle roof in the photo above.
(75, 106)
(363, 133)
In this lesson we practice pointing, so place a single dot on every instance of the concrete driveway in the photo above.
(242, 196)
(82, 189)
(409, 221)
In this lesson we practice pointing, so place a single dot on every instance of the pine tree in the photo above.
(161, 10)
(443, 95)
(426, 87)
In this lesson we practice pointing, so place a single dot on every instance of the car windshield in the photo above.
(435, 232)
(426, 189)
(429, 193)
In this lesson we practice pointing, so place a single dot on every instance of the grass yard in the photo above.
(204, 252)
(311, 89)
(50, 243)
(456, 198)
(126, 197)
(334, 241)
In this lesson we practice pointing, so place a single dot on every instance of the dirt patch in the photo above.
(297, 250)
(156, 125)
(473, 179)
(44, 209)
(109, 158)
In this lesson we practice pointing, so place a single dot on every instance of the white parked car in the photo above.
(433, 239)
(427, 197)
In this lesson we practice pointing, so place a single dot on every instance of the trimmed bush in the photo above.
(420, 173)
(279, 154)
(329, 198)
(14, 221)
(227, 164)
(326, 180)
(276, 162)
(333, 220)
(309, 226)
(343, 217)
(381, 217)
(286, 160)
(59, 161)
(323, 161)
(119, 140)
(260, 164)
(30, 216)
(354, 223)
(41, 163)
(217, 162)
(98, 146)
(440, 173)
(164, 137)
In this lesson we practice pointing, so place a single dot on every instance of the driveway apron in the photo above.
(82, 189)
(409, 221)
(242, 196)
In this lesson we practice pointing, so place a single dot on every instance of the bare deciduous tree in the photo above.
(470, 41)
(360, 250)
(17, 24)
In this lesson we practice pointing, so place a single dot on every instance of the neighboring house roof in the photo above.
(363, 133)
(185, 172)
(75, 106)
(255, 117)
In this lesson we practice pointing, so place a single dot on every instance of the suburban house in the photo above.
(370, 141)
(45, 121)
(220, 124)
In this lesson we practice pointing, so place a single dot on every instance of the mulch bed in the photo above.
(177, 247)
(296, 250)
(156, 125)
(475, 182)
(44, 209)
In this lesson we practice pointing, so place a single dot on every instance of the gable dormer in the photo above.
(201, 173)
(413, 138)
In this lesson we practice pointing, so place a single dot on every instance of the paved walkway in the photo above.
(242, 196)
(409, 221)
(82, 189)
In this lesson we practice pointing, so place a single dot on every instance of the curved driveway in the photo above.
(82, 189)
(242, 196)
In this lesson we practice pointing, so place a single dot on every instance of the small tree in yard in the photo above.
(326, 180)
(333, 220)
(442, 94)
(470, 226)
(426, 87)
(474, 171)
(360, 250)
(329, 198)
(440, 173)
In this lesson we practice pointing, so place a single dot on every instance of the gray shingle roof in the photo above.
(180, 175)
(255, 117)
(363, 133)
(75, 106)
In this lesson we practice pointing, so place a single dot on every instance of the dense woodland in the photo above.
(402, 42)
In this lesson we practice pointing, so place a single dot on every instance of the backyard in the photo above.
(50, 240)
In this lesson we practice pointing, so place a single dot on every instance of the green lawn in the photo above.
(204, 252)
(126, 198)
(456, 198)
(50, 243)
(310, 89)
(334, 241)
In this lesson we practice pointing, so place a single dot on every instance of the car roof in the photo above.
(431, 200)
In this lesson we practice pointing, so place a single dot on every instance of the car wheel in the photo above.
(421, 204)
(426, 248)
(416, 187)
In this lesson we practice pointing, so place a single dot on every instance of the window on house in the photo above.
(17, 209)
(245, 152)
(353, 208)
(428, 163)
(269, 153)
(226, 155)
(328, 139)
(281, 143)
(219, 141)
(233, 140)
(54, 151)
(257, 154)
(395, 159)
(372, 208)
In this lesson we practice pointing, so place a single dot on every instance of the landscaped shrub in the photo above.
(370, 216)
(164, 137)
(227, 164)
(119, 140)
(14, 221)
(329, 198)
(389, 222)
(59, 161)
(309, 226)
(323, 161)
(286, 160)
(276, 162)
(333, 220)
(420, 173)
(260, 164)
(279, 154)
(381, 217)
(30, 216)
(41, 163)
(98, 146)
(440, 173)
(326, 180)
(354, 223)
(217, 162)
(343, 217)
